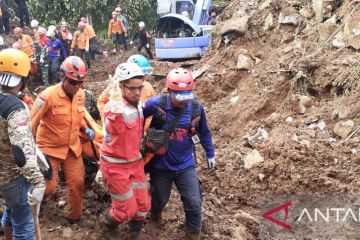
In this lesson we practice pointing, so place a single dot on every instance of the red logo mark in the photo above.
(284, 206)
(167, 42)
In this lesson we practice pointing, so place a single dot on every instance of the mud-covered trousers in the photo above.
(73, 168)
(18, 213)
(188, 185)
(53, 69)
(128, 188)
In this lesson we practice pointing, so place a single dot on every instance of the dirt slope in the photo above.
(280, 76)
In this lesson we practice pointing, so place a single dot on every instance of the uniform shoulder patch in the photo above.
(39, 102)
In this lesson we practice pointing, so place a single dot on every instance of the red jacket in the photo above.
(123, 132)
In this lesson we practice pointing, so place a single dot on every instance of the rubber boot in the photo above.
(109, 221)
(8, 233)
(135, 228)
(118, 48)
(192, 235)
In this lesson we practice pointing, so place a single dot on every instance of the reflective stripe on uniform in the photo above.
(120, 160)
(140, 185)
(141, 214)
(122, 197)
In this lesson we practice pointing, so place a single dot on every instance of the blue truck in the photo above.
(182, 31)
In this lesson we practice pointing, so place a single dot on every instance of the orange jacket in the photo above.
(81, 39)
(26, 45)
(115, 26)
(147, 92)
(90, 31)
(56, 121)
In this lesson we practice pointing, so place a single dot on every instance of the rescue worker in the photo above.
(94, 42)
(35, 27)
(124, 21)
(25, 42)
(5, 18)
(66, 36)
(144, 38)
(57, 118)
(121, 162)
(147, 92)
(115, 30)
(54, 50)
(23, 13)
(41, 57)
(177, 164)
(212, 20)
(81, 41)
(21, 182)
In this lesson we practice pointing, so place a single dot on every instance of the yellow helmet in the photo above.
(13, 63)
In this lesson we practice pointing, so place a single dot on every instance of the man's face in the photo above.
(17, 36)
(72, 86)
(132, 89)
(176, 103)
(118, 13)
(63, 29)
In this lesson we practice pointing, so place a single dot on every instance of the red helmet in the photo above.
(18, 30)
(180, 79)
(83, 19)
(81, 25)
(74, 68)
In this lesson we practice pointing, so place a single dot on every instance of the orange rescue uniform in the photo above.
(115, 26)
(26, 45)
(147, 92)
(90, 31)
(56, 123)
(81, 40)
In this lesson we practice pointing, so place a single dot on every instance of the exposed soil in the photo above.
(295, 70)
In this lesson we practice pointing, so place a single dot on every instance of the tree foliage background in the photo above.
(49, 12)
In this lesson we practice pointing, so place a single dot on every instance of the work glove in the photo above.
(35, 195)
(211, 162)
(41, 160)
(131, 42)
(86, 49)
(90, 133)
(41, 61)
(147, 45)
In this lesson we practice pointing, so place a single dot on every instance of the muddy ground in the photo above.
(280, 85)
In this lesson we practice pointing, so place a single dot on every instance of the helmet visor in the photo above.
(183, 95)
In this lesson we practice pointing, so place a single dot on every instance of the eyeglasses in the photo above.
(74, 83)
(133, 89)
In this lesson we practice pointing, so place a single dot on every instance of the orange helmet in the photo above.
(18, 30)
(74, 68)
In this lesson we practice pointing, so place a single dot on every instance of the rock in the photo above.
(338, 41)
(289, 19)
(67, 232)
(304, 102)
(273, 118)
(352, 31)
(261, 176)
(343, 128)
(322, 9)
(269, 22)
(325, 30)
(265, 4)
(252, 159)
(244, 62)
(245, 219)
(237, 24)
(289, 120)
(62, 203)
(233, 100)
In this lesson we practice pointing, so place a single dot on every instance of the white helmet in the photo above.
(126, 71)
(50, 33)
(118, 9)
(141, 24)
(41, 30)
(34, 23)
(52, 28)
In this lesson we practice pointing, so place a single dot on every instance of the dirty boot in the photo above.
(109, 221)
(135, 228)
(192, 235)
